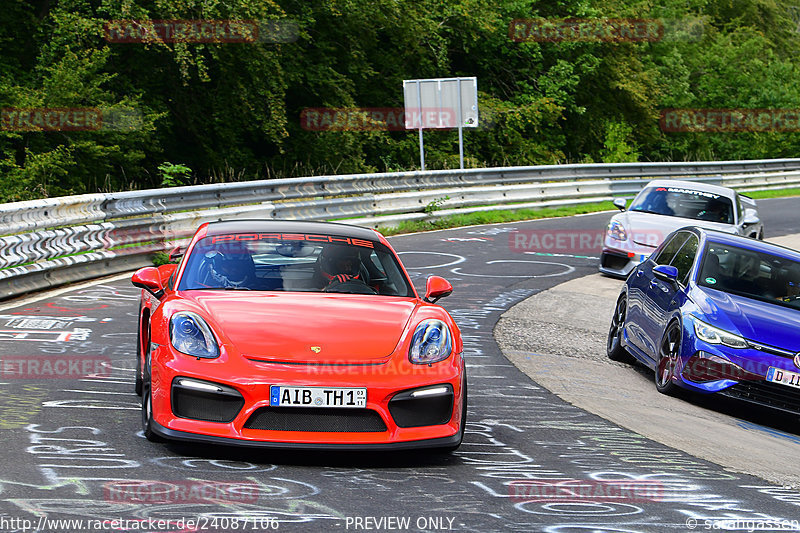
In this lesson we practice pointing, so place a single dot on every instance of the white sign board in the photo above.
(441, 103)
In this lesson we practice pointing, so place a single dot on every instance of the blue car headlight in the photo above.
(190, 334)
(617, 231)
(713, 335)
(430, 343)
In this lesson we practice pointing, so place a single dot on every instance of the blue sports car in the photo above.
(715, 313)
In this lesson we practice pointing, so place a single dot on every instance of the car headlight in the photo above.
(190, 334)
(617, 231)
(713, 335)
(431, 343)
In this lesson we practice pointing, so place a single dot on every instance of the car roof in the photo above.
(226, 227)
(693, 185)
(720, 237)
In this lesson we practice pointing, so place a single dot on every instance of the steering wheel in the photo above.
(204, 273)
(353, 286)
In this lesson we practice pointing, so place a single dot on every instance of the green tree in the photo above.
(232, 111)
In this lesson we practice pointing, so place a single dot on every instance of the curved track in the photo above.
(72, 448)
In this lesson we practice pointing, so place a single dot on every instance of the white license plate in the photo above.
(280, 396)
(784, 377)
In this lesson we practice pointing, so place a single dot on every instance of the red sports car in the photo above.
(297, 334)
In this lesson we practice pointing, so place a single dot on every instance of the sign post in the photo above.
(441, 103)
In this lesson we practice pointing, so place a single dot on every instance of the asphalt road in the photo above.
(72, 449)
(780, 216)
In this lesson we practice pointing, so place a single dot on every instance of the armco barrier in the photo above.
(51, 242)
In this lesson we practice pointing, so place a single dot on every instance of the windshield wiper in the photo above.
(648, 211)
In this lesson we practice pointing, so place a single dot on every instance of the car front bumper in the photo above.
(619, 264)
(738, 373)
(241, 414)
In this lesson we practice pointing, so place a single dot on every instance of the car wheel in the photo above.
(668, 357)
(614, 348)
(454, 447)
(147, 406)
(137, 386)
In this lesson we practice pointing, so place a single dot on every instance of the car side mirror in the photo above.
(149, 279)
(436, 288)
(666, 273)
(750, 217)
(620, 203)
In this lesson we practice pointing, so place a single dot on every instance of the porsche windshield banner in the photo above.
(291, 237)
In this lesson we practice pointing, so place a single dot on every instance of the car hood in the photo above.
(307, 327)
(648, 229)
(762, 322)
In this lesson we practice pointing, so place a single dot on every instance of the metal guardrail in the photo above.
(51, 242)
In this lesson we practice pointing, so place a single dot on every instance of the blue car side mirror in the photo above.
(666, 272)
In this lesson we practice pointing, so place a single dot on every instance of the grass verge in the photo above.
(494, 217)
(778, 193)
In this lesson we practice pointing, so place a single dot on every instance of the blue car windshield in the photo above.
(684, 203)
(757, 275)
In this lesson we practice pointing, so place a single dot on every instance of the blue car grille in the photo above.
(766, 348)
(766, 394)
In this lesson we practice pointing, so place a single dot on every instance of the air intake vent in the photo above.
(200, 400)
(766, 394)
(314, 420)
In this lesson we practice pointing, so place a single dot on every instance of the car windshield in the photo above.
(294, 262)
(756, 275)
(685, 203)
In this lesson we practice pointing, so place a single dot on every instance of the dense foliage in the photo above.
(181, 113)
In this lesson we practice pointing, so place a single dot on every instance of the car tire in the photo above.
(668, 356)
(614, 349)
(147, 406)
(461, 431)
(138, 381)
(137, 385)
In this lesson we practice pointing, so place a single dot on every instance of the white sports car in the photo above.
(666, 205)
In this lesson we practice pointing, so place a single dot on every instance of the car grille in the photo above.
(766, 394)
(773, 350)
(316, 419)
